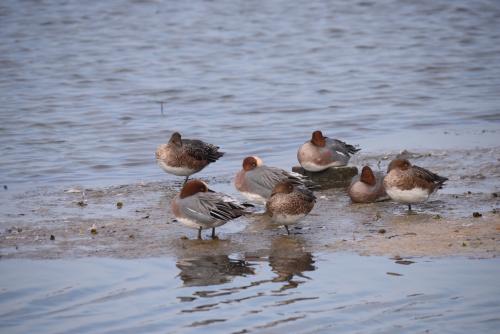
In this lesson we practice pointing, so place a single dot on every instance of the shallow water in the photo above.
(80, 82)
(239, 293)
(80, 91)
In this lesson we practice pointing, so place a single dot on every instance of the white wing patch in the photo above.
(194, 211)
(228, 199)
(297, 175)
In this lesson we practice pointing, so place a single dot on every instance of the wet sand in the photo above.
(56, 223)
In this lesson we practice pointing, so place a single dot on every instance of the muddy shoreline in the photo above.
(134, 221)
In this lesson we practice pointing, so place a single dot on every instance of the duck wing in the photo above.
(306, 193)
(267, 178)
(341, 146)
(429, 176)
(221, 206)
(202, 151)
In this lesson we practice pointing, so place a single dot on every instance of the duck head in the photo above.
(318, 139)
(193, 187)
(250, 163)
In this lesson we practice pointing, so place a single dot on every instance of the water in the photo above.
(80, 82)
(284, 292)
(80, 91)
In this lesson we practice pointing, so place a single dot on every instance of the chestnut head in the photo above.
(318, 139)
(250, 163)
(367, 176)
(193, 187)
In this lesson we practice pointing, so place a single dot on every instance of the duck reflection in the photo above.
(211, 269)
(288, 259)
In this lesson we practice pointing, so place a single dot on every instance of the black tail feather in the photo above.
(351, 149)
(214, 156)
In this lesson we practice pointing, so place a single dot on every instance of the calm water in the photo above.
(80, 89)
(299, 293)
(80, 81)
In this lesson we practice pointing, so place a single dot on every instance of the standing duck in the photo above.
(257, 181)
(408, 184)
(184, 157)
(322, 152)
(288, 204)
(198, 207)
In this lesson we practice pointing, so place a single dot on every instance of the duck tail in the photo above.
(352, 149)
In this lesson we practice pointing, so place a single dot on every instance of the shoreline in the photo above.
(143, 226)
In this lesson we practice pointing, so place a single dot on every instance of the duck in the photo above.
(368, 187)
(185, 157)
(289, 203)
(410, 184)
(322, 152)
(196, 206)
(256, 181)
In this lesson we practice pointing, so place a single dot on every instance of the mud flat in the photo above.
(134, 220)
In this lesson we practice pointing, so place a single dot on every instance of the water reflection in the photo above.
(288, 259)
(208, 263)
(211, 269)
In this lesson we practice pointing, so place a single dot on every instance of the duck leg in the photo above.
(409, 207)
(199, 233)
(287, 230)
(187, 177)
(213, 233)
